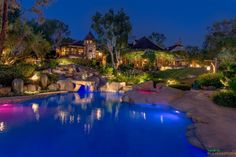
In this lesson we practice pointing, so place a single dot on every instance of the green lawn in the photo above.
(179, 74)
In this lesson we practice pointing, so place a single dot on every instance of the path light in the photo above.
(208, 68)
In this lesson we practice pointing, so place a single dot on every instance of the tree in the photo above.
(54, 31)
(158, 38)
(113, 30)
(10, 5)
(220, 35)
(22, 42)
(227, 56)
(192, 50)
(150, 56)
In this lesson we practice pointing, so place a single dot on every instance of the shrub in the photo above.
(210, 80)
(9, 73)
(227, 99)
(53, 63)
(196, 85)
(232, 84)
(183, 87)
(53, 78)
(126, 67)
(26, 70)
(107, 71)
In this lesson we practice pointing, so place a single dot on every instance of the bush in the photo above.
(232, 84)
(126, 67)
(227, 99)
(131, 78)
(78, 61)
(9, 73)
(53, 63)
(183, 87)
(26, 70)
(107, 71)
(53, 78)
(210, 80)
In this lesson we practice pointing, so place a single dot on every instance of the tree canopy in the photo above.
(221, 35)
(113, 29)
(54, 31)
(158, 38)
(8, 6)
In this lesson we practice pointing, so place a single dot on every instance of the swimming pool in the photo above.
(92, 125)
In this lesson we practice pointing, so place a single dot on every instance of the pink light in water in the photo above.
(5, 105)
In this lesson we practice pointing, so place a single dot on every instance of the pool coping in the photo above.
(19, 99)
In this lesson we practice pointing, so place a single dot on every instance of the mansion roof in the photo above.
(90, 36)
(177, 47)
(145, 43)
(80, 43)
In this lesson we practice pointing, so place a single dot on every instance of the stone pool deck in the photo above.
(214, 127)
(18, 99)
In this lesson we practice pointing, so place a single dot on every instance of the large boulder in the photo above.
(165, 95)
(18, 86)
(113, 87)
(44, 81)
(149, 85)
(66, 85)
(5, 90)
(53, 87)
(96, 81)
(31, 88)
(72, 69)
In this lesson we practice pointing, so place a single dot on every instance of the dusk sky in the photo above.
(177, 19)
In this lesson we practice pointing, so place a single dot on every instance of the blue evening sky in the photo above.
(177, 19)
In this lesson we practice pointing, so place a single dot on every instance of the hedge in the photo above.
(227, 99)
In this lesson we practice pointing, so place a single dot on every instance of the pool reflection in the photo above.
(91, 125)
(85, 110)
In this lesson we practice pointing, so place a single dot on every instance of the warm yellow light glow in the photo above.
(100, 54)
(35, 107)
(208, 68)
(171, 82)
(165, 68)
(198, 66)
(35, 77)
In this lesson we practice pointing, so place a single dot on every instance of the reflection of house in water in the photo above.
(138, 115)
(85, 111)
(2, 126)
(82, 100)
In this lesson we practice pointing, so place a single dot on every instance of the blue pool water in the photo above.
(92, 125)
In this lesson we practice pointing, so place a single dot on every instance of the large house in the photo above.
(83, 49)
(145, 43)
